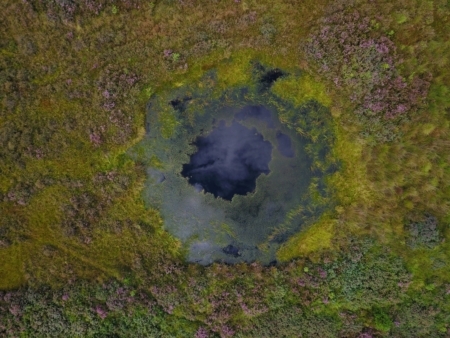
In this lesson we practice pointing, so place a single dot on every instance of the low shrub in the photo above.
(352, 52)
(424, 233)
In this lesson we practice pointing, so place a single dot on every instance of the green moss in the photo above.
(12, 267)
(315, 238)
(301, 90)
(382, 320)
(156, 162)
(168, 122)
(236, 71)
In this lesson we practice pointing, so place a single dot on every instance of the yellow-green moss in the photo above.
(12, 274)
(301, 89)
(155, 162)
(350, 183)
(44, 212)
(236, 71)
(168, 122)
(315, 238)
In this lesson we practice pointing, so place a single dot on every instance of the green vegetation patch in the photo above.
(292, 195)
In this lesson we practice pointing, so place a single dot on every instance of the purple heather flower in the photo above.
(109, 105)
(15, 310)
(201, 333)
(95, 139)
(382, 48)
(102, 313)
(322, 273)
(365, 335)
(227, 331)
(401, 108)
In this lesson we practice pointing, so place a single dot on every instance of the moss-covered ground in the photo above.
(82, 255)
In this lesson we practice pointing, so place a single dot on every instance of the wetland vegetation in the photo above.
(336, 222)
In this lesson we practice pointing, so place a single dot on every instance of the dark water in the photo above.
(180, 104)
(228, 161)
(268, 78)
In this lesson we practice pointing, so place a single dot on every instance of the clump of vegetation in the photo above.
(423, 233)
(326, 299)
(354, 53)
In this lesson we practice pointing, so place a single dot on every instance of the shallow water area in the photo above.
(231, 182)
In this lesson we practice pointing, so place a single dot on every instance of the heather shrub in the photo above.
(66, 10)
(294, 322)
(370, 279)
(415, 318)
(424, 233)
(11, 229)
(108, 310)
(352, 52)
